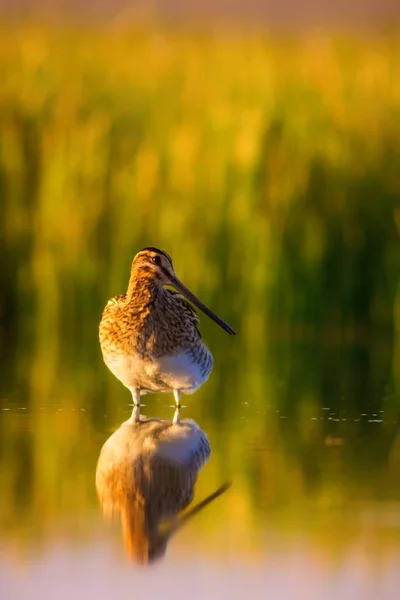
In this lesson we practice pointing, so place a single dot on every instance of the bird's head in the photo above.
(156, 265)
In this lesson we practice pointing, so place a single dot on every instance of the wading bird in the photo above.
(150, 336)
(146, 473)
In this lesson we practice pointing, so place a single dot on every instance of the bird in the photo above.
(146, 474)
(150, 337)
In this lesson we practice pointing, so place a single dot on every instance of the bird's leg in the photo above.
(177, 415)
(177, 396)
(135, 417)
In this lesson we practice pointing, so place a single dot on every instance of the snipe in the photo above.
(150, 336)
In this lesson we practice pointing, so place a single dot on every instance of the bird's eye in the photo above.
(156, 260)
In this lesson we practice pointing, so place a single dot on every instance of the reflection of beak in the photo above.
(196, 509)
(159, 544)
(188, 294)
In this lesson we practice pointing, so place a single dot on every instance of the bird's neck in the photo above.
(143, 290)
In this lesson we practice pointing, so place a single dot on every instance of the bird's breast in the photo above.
(186, 370)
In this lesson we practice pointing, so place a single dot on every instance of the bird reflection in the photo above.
(146, 473)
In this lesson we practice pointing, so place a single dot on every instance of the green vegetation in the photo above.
(269, 171)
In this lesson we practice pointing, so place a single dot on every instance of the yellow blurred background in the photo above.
(267, 166)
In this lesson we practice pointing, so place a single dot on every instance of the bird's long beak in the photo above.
(188, 294)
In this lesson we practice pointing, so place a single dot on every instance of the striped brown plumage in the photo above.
(150, 336)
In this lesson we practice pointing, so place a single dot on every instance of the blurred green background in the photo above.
(268, 168)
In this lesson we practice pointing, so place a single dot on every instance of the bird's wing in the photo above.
(187, 308)
(116, 301)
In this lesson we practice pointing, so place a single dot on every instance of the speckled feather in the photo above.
(150, 324)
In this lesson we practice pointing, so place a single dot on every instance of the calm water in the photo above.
(313, 510)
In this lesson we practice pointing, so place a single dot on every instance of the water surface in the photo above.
(313, 510)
